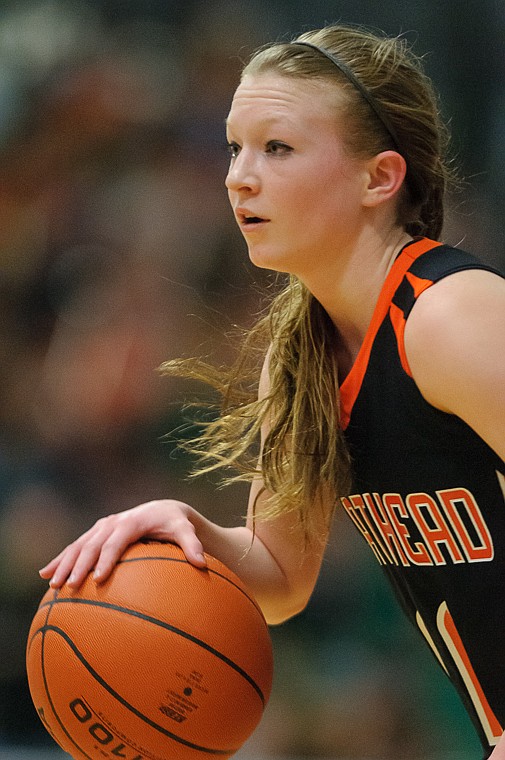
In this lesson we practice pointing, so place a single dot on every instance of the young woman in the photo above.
(383, 363)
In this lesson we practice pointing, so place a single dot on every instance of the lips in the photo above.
(247, 219)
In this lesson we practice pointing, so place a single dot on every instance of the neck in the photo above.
(350, 292)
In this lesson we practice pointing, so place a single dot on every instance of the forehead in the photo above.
(275, 97)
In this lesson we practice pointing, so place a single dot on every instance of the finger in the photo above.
(126, 528)
(47, 571)
(111, 553)
(61, 567)
(86, 561)
(80, 557)
(190, 544)
(142, 522)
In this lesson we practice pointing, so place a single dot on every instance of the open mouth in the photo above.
(249, 220)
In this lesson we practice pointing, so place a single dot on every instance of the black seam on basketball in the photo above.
(55, 596)
(43, 630)
(49, 604)
(125, 703)
(167, 626)
(207, 569)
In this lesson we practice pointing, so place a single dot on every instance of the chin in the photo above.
(274, 263)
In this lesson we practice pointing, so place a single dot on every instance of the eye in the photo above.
(277, 148)
(233, 149)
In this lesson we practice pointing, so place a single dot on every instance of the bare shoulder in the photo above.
(461, 291)
(469, 300)
(455, 345)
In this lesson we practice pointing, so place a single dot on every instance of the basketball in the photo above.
(163, 661)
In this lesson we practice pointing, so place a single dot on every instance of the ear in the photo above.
(386, 173)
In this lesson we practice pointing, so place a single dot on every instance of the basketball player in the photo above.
(382, 390)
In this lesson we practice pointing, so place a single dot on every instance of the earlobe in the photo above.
(386, 173)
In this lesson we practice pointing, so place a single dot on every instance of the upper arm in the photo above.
(455, 346)
(284, 536)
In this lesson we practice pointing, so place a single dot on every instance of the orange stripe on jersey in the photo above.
(447, 628)
(351, 386)
(419, 285)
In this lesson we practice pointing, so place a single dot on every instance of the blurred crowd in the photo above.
(118, 250)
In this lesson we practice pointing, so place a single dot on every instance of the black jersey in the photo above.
(429, 496)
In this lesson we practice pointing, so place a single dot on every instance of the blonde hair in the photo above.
(393, 76)
(304, 457)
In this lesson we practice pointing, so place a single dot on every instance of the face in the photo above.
(295, 190)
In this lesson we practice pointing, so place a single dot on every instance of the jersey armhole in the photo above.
(399, 318)
(417, 285)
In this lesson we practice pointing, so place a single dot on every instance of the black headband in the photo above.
(367, 95)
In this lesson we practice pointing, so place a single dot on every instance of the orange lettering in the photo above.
(418, 553)
(439, 534)
(386, 529)
(452, 498)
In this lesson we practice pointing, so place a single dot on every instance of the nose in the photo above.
(242, 174)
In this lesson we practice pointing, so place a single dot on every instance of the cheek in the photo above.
(302, 198)
(317, 203)
(329, 183)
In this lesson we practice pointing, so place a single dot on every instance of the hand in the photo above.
(102, 545)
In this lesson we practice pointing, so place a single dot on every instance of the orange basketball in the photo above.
(163, 661)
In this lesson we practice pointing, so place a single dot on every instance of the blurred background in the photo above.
(117, 251)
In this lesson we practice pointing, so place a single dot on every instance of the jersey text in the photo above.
(421, 529)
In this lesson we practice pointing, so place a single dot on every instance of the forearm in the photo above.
(249, 558)
(281, 589)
